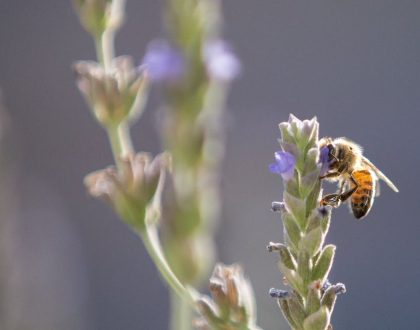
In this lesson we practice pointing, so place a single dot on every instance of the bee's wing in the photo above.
(379, 174)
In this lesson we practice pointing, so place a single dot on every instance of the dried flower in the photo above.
(164, 62)
(132, 188)
(231, 305)
(97, 16)
(222, 64)
(284, 165)
(113, 95)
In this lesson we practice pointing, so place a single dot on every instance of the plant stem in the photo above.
(119, 138)
(181, 313)
(104, 45)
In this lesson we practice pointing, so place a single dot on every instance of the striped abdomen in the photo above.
(362, 198)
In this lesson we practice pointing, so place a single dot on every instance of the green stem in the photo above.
(104, 46)
(119, 138)
(181, 313)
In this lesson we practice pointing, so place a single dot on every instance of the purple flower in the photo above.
(284, 165)
(163, 62)
(324, 155)
(222, 63)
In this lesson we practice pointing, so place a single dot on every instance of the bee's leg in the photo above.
(344, 196)
(330, 175)
(336, 199)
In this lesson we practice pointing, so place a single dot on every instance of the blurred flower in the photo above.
(163, 62)
(114, 94)
(222, 63)
(232, 300)
(97, 16)
(131, 189)
(284, 165)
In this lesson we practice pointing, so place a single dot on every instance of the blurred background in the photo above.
(67, 262)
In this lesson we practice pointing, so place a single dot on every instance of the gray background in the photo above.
(354, 64)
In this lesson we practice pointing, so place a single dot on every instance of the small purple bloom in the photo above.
(222, 63)
(324, 160)
(284, 165)
(163, 62)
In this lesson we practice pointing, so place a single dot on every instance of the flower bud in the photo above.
(97, 16)
(116, 94)
(132, 188)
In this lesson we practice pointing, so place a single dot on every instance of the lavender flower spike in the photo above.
(284, 165)
(304, 259)
(163, 62)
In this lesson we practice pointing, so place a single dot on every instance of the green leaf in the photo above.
(297, 208)
(318, 320)
(304, 268)
(324, 263)
(292, 278)
(286, 257)
(314, 300)
(284, 307)
(312, 241)
(292, 230)
(297, 311)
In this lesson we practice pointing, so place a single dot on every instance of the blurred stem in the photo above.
(181, 313)
(151, 242)
(104, 45)
(119, 138)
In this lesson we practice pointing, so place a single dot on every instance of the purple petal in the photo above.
(324, 160)
(284, 165)
(163, 62)
(221, 62)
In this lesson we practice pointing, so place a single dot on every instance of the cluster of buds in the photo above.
(304, 260)
(98, 16)
(231, 306)
(131, 189)
(115, 94)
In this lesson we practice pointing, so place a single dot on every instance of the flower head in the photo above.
(232, 299)
(114, 94)
(222, 63)
(164, 63)
(131, 189)
(284, 165)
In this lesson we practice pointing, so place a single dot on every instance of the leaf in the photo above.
(324, 263)
(312, 241)
(292, 230)
(314, 300)
(297, 208)
(318, 320)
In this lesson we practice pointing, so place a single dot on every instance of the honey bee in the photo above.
(357, 176)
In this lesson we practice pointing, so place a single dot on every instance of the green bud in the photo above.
(318, 320)
(329, 298)
(304, 264)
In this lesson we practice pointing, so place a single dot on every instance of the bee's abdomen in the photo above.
(362, 198)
